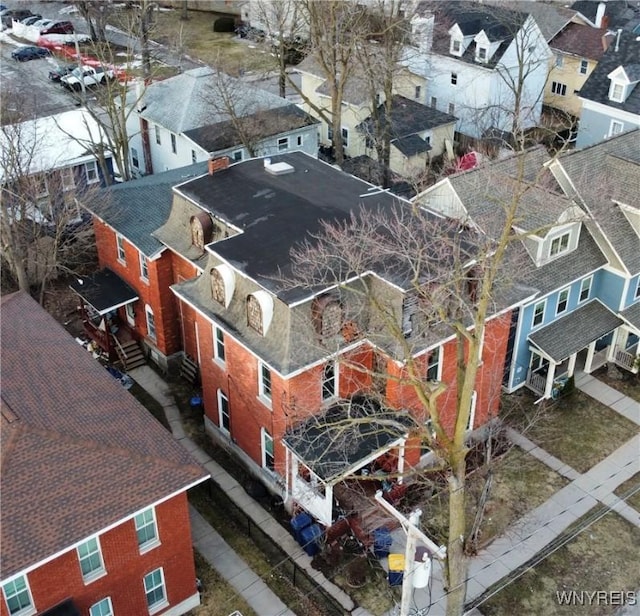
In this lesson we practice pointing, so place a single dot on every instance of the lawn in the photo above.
(218, 597)
(577, 429)
(520, 483)
(630, 491)
(620, 380)
(600, 557)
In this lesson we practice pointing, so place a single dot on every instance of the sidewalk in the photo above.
(531, 534)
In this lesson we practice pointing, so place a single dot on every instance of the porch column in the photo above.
(572, 364)
(401, 462)
(590, 353)
(551, 374)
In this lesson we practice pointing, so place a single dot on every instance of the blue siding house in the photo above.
(575, 260)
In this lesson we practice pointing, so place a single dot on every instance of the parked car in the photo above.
(58, 27)
(42, 23)
(58, 71)
(10, 14)
(29, 52)
(91, 76)
(31, 20)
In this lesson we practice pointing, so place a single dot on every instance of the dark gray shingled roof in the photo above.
(104, 290)
(613, 166)
(596, 88)
(575, 331)
(135, 209)
(617, 12)
(632, 314)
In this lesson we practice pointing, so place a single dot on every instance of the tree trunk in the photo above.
(184, 15)
(456, 559)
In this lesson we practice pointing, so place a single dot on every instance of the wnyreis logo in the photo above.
(597, 597)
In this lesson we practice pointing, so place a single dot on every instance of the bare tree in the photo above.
(96, 14)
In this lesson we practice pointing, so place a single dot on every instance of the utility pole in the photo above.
(410, 526)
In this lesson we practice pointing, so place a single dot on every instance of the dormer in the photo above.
(623, 79)
(484, 47)
(459, 42)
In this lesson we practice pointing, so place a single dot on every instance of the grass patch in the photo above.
(628, 487)
(218, 597)
(601, 557)
(520, 483)
(577, 429)
(150, 403)
(622, 381)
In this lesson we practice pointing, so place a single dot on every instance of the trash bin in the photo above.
(381, 542)
(311, 536)
(396, 569)
(298, 523)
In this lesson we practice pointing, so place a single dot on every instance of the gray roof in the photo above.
(605, 171)
(575, 331)
(411, 145)
(550, 18)
(135, 209)
(596, 88)
(197, 98)
(618, 12)
(632, 315)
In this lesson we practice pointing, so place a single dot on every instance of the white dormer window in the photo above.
(456, 47)
(616, 92)
(259, 311)
(623, 79)
(482, 54)
(559, 244)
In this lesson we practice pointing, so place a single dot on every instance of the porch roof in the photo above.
(104, 290)
(632, 315)
(336, 443)
(574, 332)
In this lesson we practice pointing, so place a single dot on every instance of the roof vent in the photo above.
(277, 168)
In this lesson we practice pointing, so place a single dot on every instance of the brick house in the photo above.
(272, 358)
(95, 517)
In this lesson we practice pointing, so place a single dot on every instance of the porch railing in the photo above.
(624, 359)
(537, 382)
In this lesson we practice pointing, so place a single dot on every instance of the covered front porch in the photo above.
(554, 349)
(106, 303)
(337, 462)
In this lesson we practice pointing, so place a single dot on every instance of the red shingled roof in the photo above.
(582, 41)
(79, 453)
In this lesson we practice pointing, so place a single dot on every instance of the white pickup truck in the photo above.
(91, 76)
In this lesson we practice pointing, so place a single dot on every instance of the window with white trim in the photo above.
(345, 137)
(329, 381)
(264, 381)
(434, 365)
(236, 156)
(218, 344)
(144, 267)
(299, 140)
(616, 92)
(151, 322)
(584, 67)
(131, 315)
(482, 54)
(538, 313)
(563, 301)
(456, 47)
(90, 559)
(585, 289)
(559, 244)
(224, 415)
(158, 139)
(558, 88)
(154, 589)
(174, 144)
(147, 529)
(17, 596)
(268, 459)
(102, 608)
(91, 172)
(454, 79)
(283, 144)
(122, 256)
(615, 128)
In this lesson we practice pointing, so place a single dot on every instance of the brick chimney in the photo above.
(607, 40)
(218, 164)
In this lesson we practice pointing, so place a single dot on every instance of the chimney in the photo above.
(606, 40)
(218, 164)
(602, 7)
(618, 40)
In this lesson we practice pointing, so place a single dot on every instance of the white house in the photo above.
(477, 60)
(202, 113)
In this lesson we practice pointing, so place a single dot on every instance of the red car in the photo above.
(58, 27)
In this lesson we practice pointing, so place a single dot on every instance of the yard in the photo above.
(577, 429)
(630, 491)
(598, 557)
(623, 381)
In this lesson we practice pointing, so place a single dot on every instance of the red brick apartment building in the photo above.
(273, 359)
(95, 518)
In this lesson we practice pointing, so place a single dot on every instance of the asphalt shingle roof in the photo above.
(574, 332)
(79, 453)
(582, 41)
(632, 314)
(596, 88)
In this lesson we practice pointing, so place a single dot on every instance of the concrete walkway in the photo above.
(526, 538)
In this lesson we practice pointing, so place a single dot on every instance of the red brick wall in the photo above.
(60, 578)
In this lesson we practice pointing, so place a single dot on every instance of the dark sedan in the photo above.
(57, 72)
(29, 52)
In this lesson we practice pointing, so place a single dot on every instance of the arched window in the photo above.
(259, 311)
(201, 229)
(217, 286)
(222, 284)
(327, 315)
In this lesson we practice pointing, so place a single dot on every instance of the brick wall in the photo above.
(61, 578)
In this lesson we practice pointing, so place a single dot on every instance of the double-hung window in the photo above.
(454, 79)
(585, 289)
(91, 172)
(218, 344)
(17, 596)
(151, 322)
(433, 365)
(559, 244)
(144, 268)
(584, 67)
(615, 128)
(268, 460)
(147, 529)
(329, 381)
(538, 313)
(563, 301)
(264, 381)
(122, 256)
(174, 144)
(154, 590)
(102, 608)
(283, 144)
(90, 559)
(224, 415)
